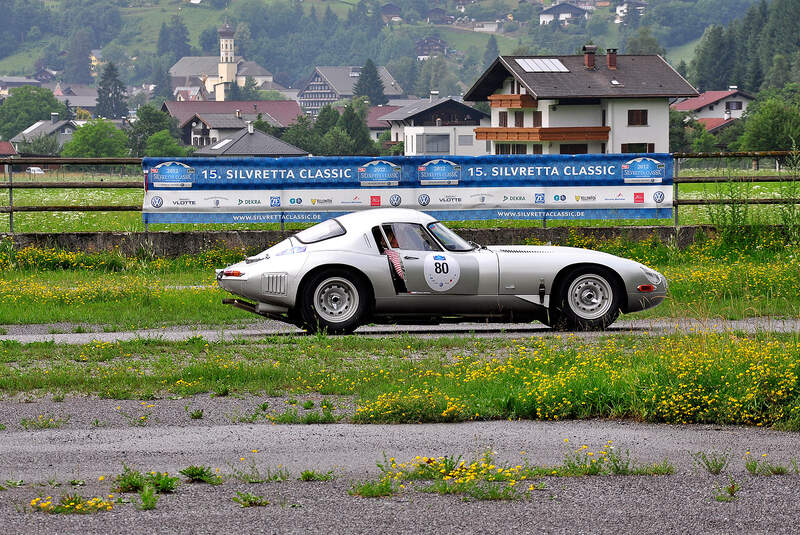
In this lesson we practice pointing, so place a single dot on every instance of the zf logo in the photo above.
(395, 200)
(296, 200)
(157, 202)
(538, 198)
(424, 200)
(274, 201)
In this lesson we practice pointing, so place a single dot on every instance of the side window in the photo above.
(376, 233)
(410, 237)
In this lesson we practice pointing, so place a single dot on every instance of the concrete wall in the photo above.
(173, 244)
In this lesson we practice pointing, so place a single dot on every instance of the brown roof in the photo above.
(7, 149)
(706, 98)
(713, 124)
(636, 76)
(284, 112)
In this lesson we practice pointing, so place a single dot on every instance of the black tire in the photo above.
(334, 300)
(588, 299)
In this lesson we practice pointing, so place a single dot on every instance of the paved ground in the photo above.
(64, 333)
(679, 503)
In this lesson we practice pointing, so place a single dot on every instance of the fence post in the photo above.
(675, 172)
(10, 197)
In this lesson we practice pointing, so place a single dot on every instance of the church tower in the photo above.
(227, 61)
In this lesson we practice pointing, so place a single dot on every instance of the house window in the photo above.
(465, 141)
(519, 148)
(733, 105)
(537, 119)
(603, 119)
(502, 118)
(502, 148)
(637, 117)
(574, 148)
(628, 148)
(536, 149)
(519, 119)
(437, 143)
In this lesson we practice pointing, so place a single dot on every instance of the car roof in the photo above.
(377, 216)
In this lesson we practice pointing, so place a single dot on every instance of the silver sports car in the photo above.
(392, 265)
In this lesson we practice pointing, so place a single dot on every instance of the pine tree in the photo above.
(370, 85)
(326, 119)
(160, 77)
(491, 53)
(77, 66)
(163, 45)
(356, 127)
(111, 101)
(179, 38)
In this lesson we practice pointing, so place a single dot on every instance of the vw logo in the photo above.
(658, 196)
(424, 200)
(395, 200)
(157, 202)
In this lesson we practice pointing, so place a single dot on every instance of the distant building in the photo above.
(391, 13)
(578, 104)
(438, 126)
(249, 142)
(624, 9)
(430, 47)
(10, 82)
(730, 104)
(96, 60)
(214, 74)
(562, 13)
(61, 129)
(328, 85)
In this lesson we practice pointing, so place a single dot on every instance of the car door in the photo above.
(429, 270)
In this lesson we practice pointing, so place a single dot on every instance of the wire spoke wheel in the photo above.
(590, 296)
(336, 300)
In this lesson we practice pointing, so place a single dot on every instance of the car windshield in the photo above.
(327, 229)
(450, 240)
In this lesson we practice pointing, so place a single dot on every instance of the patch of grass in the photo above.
(374, 489)
(247, 499)
(250, 473)
(201, 474)
(728, 492)
(313, 475)
(308, 405)
(14, 483)
(763, 467)
(148, 498)
(712, 462)
(194, 414)
(43, 421)
(129, 480)
(162, 482)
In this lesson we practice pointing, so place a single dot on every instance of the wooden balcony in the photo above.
(558, 133)
(512, 101)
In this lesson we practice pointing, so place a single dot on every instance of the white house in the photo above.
(562, 13)
(578, 104)
(438, 126)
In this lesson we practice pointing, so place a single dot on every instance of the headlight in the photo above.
(653, 276)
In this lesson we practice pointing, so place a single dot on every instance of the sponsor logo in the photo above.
(173, 172)
(424, 200)
(395, 200)
(184, 202)
(321, 201)
(559, 197)
(643, 170)
(585, 198)
(658, 197)
(355, 200)
(216, 201)
(274, 201)
(538, 198)
(439, 171)
(379, 170)
(618, 197)
(296, 200)
(374, 200)
(450, 199)
(513, 198)
(156, 202)
(638, 197)
(249, 201)
(438, 257)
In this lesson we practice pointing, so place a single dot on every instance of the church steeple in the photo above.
(227, 61)
(226, 47)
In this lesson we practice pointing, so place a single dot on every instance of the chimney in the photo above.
(727, 114)
(434, 94)
(588, 56)
(53, 117)
(733, 88)
(611, 58)
(238, 114)
(249, 127)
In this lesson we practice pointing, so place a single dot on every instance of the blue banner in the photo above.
(257, 190)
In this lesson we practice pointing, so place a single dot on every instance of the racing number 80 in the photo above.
(440, 267)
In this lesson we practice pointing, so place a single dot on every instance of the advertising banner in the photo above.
(269, 190)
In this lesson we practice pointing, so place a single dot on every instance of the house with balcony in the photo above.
(328, 85)
(438, 126)
(716, 110)
(562, 14)
(580, 104)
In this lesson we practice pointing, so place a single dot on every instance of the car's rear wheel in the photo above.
(588, 300)
(333, 301)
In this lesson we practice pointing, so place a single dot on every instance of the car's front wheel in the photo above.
(333, 301)
(588, 300)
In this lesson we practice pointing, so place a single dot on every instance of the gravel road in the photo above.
(679, 503)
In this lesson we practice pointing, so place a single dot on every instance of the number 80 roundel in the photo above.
(441, 272)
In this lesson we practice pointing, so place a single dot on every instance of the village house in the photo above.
(716, 109)
(578, 104)
(438, 126)
(249, 142)
(328, 85)
(562, 14)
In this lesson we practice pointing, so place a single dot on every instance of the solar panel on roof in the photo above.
(541, 65)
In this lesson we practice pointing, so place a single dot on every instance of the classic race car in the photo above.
(391, 265)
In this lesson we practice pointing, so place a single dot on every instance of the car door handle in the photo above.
(411, 258)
